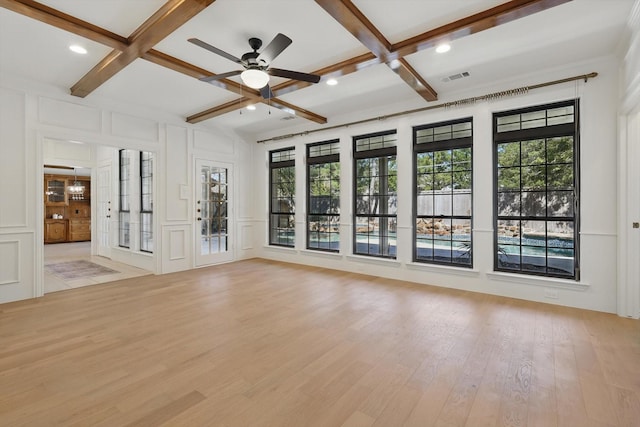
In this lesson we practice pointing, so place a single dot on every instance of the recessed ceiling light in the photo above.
(78, 49)
(442, 48)
(251, 107)
(332, 82)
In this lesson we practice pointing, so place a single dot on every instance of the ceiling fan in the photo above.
(257, 64)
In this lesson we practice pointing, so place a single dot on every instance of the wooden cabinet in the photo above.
(79, 230)
(55, 230)
(55, 191)
(67, 213)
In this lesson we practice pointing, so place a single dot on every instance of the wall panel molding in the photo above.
(177, 174)
(17, 274)
(177, 254)
(211, 142)
(10, 256)
(69, 115)
(128, 126)
(14, 158)
(246, 236)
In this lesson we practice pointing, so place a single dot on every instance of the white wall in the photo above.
(598, 105)
(629, 172)
(34, 123)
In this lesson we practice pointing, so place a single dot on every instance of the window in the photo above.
(146, 201)
(323, 196)
(375, 193)
(123, 214)
(214, 215)
(282, 174)
(443, 193)
(536, 186)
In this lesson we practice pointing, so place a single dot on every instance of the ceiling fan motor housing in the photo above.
(250, 59)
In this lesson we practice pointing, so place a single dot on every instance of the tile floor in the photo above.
(62, 252)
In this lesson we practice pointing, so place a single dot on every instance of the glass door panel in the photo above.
(212, 213)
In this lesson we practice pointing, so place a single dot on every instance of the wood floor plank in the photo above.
(266, 343)
(626, 405)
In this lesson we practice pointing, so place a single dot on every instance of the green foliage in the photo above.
(376, 184)
(542, 170)
(522, 164)
(283, 190)
(444, 170)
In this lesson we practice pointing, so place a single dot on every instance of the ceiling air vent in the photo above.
(455, 77)
(288, 118)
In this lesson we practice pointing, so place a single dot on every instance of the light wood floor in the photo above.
(261, 343)
(76, 251)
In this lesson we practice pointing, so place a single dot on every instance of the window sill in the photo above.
(321, 254)
(443, 269)
(283, 249)
(374, 260)
(547, 282)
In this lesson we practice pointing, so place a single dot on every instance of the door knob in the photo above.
(199, 219)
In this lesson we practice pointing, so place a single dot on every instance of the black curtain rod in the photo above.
(488, 97)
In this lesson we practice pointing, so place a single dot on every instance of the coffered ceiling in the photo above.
(381, 52)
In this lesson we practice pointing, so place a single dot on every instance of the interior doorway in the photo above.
(76, 229)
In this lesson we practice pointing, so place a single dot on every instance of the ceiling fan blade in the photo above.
(214, 49)
(266, 92)
(295, 75)
(275, 48)
(220, 76)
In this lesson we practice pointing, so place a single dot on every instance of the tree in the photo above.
(535, 177)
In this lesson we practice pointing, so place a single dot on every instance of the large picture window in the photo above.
(375, 194)
(537, 189)
(146, 201)
(124, 205)
(443, 193)
(323, 196)
(282, 184)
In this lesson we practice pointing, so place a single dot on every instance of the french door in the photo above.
(104, 210)
(214, 242)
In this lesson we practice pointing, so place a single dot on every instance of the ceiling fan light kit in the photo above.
(255, 79)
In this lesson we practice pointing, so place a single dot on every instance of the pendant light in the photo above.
(77, 189)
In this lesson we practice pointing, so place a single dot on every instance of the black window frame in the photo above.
(322, 159)
(546, 133)
(376, 153)
(146, 209)
(124, 205)
(449, 141)
(273, 213)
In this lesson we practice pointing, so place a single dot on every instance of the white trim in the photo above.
(444, 269)
(482, 230)
(320, 254)
(18, 279)
(283, 249)
(598, 234)
(383, 262)
(547, 282)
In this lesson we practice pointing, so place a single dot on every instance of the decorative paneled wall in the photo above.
(36, 126)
